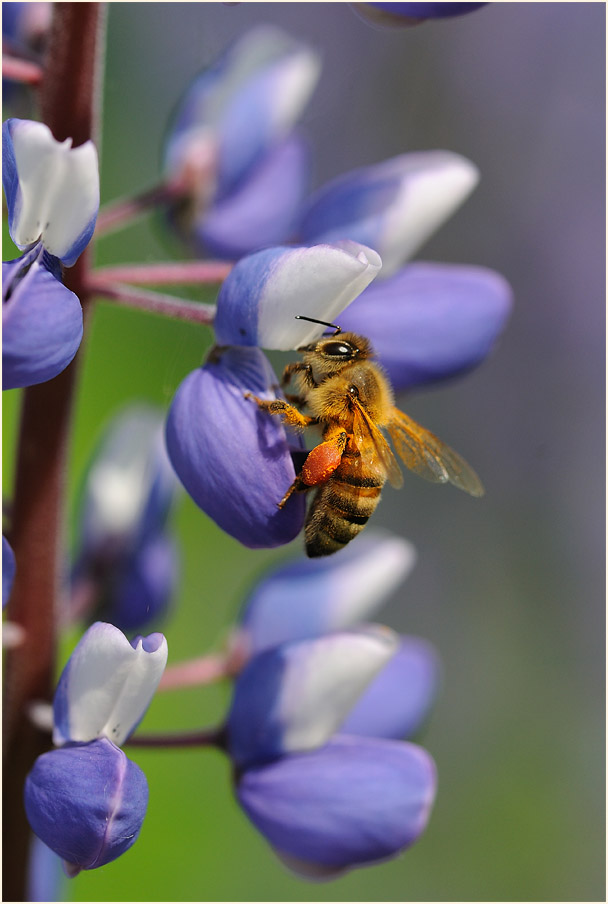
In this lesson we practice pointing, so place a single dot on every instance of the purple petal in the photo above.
(261, 211)
(41, 321)
(354, 802)
(311, 597)
(8, 570)
(86, 802)
(233, 459)
(294, 697)
(397, 701)
(431, 321)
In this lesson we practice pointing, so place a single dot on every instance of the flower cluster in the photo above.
(323, 704)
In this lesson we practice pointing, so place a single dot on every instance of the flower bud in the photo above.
(107, 685)
(351, 803)
(263, 293)
(52, 189)
(311, 597)
(294, 697)
(392, 206)
(86, 802)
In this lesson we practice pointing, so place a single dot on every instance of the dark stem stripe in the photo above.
(68, 98)
(155, 302)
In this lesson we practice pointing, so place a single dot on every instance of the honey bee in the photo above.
(347, 395)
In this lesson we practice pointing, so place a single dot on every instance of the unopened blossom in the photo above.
(240, 170)
(52, 195)
(85, 799)
(326, 802)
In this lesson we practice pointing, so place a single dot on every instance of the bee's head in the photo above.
(329, 354)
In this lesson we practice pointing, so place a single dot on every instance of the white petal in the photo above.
(59, 188)
(324, 679)
(108, 684)
(434, 185)
(317, 282)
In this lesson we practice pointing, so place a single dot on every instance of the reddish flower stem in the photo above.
(155, 302)
(194, 672)
(167, 273)
(121, 213)
(24, 71)
(69, 95)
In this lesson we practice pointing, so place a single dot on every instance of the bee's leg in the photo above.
(289, 414)
(320, 464)
(297, 367)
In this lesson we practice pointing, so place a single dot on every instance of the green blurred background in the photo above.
(510, 589)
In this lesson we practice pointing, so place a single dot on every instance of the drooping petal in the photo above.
(431, 321)
(107, 685)
(398, 699)
(294, 697)
(310, 597)
(262, 210)
(264, 292)
(245, 103)
(8, 570)
(392, 206)
(41, 321)
(351, 803)
(86, 802)
(233, 459)
(52, 189)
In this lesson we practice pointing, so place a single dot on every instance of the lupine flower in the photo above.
(241, 171)
(86, 800)
(26, 24)
(325, 802)
(309, 598)
(8, 570)
(125, 567)
(52, 194)
(426, 321)
(393, 206)
(235, 462)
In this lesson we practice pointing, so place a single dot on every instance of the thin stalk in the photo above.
(196, 672)
(155, 302)
(119, 214)
(69, 98)
(25, 71)
(166, 273)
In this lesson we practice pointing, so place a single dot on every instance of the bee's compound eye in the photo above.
(338, 350)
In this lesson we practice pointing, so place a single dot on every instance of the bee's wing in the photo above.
(427, 456)
(365, 430)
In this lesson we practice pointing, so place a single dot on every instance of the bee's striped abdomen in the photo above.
(342, 507)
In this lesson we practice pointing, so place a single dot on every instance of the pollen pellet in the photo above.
(321, 462)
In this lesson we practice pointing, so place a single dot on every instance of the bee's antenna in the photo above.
(333, 326)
